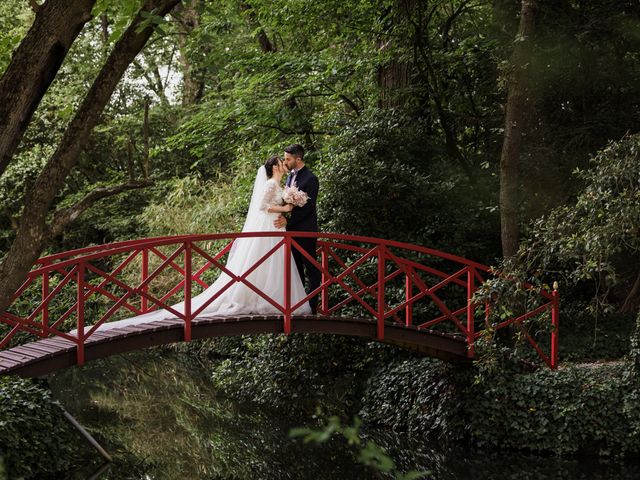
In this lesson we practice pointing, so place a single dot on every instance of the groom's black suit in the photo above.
(305, 219)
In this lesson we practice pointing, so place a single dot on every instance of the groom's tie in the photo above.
(292, 178)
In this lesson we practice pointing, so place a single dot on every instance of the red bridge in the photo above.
(414, 297)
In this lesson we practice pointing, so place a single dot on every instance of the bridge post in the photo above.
(144, 301)
(408, 314)
(381, 284)
(555, 323)
(187, 292)
(471, 289)
(287, 283)
(45, 293)
(324, 299)
(80, 313)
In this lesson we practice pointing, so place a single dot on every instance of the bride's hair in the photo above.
(269, 164)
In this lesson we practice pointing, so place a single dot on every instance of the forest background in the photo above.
(496, 130)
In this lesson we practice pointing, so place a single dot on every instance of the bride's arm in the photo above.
(287, 207)
(269, 199)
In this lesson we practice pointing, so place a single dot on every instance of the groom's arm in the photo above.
(312, 189)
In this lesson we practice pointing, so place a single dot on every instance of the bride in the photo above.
(238, 299)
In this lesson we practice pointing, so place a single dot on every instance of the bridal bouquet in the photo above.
(294, 196)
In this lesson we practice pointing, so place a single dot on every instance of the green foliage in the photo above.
(35, 439)
(121, 11)
(586, 236)
(379, 177)
(189, 205)
(373, 164)
(606, 336)
(560, 412)
(15, 16)
(14, 186)
(297, 372)
(370, 453)
(402, 394)
(590, 246)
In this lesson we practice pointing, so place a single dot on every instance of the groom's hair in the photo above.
(269, 164)
(296, 150)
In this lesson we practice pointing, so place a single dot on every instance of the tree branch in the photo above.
(293, 132)
(34, 230)
(34, 65)
(62, 218)
(35, 6)
(343, 97)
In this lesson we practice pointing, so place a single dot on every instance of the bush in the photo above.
(595, 240)
(558, 412)
(379, 177)
(35, 439)
(298, 372)
(416, 395)
(370, 183)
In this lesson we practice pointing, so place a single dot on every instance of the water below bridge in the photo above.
(161, 417)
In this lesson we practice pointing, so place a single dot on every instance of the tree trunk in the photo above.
(145, 138)
(192, 84)
(394, 78)
(104, 25)
(34, 65)
(516, 109)
(34, 232)
(261, 36)
(632, 301)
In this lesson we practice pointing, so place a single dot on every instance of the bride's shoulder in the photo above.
(272, 183)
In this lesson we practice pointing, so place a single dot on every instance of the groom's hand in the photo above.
(280, 222)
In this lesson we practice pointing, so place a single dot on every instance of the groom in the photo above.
(303, 219)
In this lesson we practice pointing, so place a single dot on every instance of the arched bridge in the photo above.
(407, 295)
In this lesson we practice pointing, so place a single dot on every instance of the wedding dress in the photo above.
(268, 277)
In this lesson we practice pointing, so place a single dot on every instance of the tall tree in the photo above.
(515, 114)
(394, 75)
(34, 230)
(34, 65)
(188, 17)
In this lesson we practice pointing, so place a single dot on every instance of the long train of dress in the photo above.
(239, 299)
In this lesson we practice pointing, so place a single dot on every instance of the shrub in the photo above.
(558, 412)
(35, 439)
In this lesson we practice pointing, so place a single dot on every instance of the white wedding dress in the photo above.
(239, 299)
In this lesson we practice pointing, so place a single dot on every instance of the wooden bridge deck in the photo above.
(49, 355)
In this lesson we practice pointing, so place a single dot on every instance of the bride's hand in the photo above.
(288, 207)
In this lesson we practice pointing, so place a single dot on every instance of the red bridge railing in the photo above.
(361, 277)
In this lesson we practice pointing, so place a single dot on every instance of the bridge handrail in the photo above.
(80, 259)
(98, 251)
(120, 247)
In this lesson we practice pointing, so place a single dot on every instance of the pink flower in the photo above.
(294, 196)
